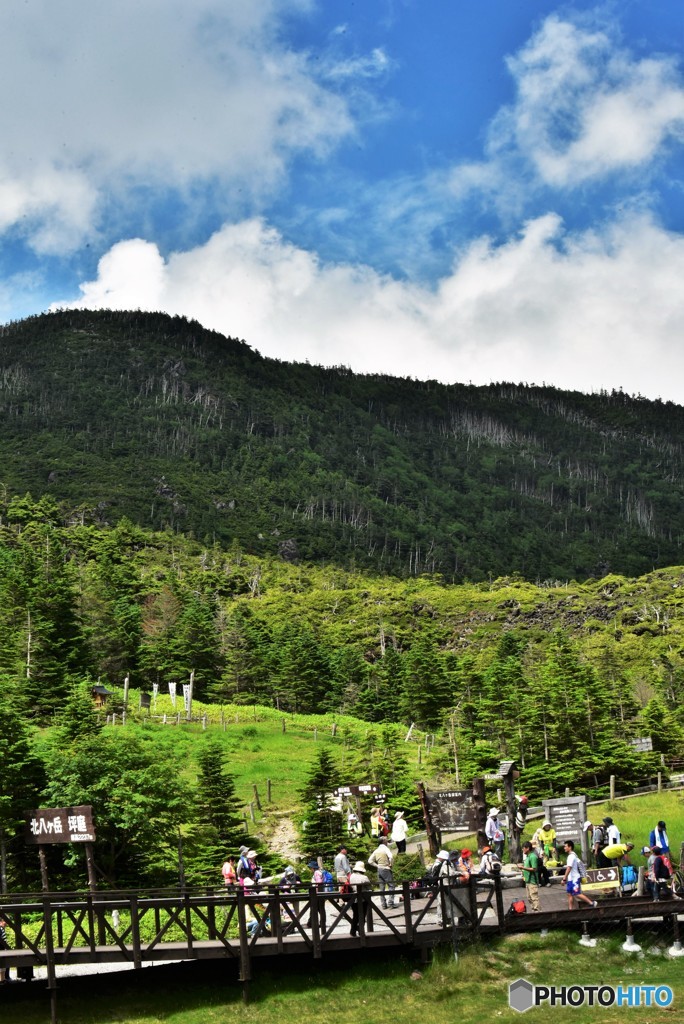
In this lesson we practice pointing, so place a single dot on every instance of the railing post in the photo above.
(498, 893)
(276, 919)
(245, 965)
(314, 922)
(135, 932)
(211, 916)
(472, 903)
(364, 909)
(50, 959)
(408, 919)
(91, 923)
(188, 921)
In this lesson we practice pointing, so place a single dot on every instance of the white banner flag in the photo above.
(172, 693)
(186, 695)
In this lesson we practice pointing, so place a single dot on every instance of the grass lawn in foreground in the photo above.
(369, 988)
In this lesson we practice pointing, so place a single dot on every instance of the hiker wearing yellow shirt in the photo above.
(617, 852)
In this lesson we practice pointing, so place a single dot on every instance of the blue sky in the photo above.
(468, 190)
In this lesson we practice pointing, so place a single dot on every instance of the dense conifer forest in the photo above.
(492, 565)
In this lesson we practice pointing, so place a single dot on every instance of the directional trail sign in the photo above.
(601, 880)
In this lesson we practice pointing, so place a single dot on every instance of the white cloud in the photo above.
(585, 108)
(105, 96)
(587, 311)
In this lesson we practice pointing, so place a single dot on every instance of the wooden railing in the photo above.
(136, 927)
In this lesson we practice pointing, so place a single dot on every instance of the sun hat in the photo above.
(251, 855)
(359, 866)
(486, 849)
(466, 853)
(443, 855)
(399, 814)
(546, 824)
(493, 812)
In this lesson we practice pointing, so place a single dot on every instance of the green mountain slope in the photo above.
(157, 419)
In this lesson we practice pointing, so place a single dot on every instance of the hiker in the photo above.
(247, 866)
(465, 864)
(490, 863)
(342, 868)
(450, 874)
(354, 825)
(597, 837)
(617, 853)
(495, 833)
(290, 880)
(612, 831)
(255, 913)
(229, 873)
(574, 870)
(399, 832)
(359, 878)
(323, 881)
(375, 822)
(543, 872)
(658, 837)
(530, 870)
(659, 874)
(381, 858)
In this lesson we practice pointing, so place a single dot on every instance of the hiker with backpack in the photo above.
(574, 873)
(659, 874)
(530, 870)
(490, 863)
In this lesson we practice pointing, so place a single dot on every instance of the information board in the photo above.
(453, 810)
(567, 815)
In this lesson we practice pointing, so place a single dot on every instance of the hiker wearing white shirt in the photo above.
(399, 832)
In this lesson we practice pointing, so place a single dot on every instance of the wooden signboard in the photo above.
(452, 810)
(59, 825)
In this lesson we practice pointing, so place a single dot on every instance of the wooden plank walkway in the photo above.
(136, 928)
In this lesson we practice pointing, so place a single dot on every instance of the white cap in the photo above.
(586, 826)
(493, 812)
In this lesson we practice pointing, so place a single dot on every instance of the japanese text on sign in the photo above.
(60, 825)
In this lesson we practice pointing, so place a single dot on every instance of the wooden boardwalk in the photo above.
(139, 928)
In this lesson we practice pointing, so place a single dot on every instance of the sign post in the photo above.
(567, 815)
(48, 825)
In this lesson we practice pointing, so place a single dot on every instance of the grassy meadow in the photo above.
(369, 988)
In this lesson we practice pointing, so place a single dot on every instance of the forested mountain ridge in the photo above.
(157, 419)
(560, 677)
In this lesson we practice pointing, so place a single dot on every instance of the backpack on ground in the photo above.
(516, 907)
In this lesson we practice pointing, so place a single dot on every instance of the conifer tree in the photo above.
(321, 826)
(219, 830)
